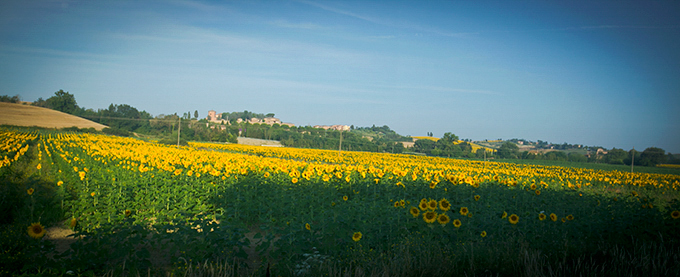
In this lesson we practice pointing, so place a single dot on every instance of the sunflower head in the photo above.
(415, 212)
(570, 217)
(483, 234)
(432, 205)
(541, 216)
(294, 180)
(464, 211)
(477, 197)
(456, 223)
(308, 227)
(344, 198)
(397, 204)
(538, 192)
(443, 219)
(128, 213)
(433, 184)
(356, 236)
(423, 205)
(60, 183)
(444, 204)
(430, 216)
(504, 215)
(30, 191)
(36, 230)
(553, 217)
(675, 214)
(533, 186)
(73, 223)
(513, 218)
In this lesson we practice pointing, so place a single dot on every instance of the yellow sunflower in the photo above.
(456, 223)
(464, 211)
(344, 198)
(533, 187)
(553, 217)
(483, 234)
(128, 213)
(504, 215)
(415, 212)
(294, 180)
(538, 192)
(36, 230)
(443, 219)
(444, 204)
(423, 205)
(432, 205)
(541, 216)
(402, 203)
(430, 216)
(73, 223)
(513, 218)
(477, 197)
(308, 227)
(675, 214)
(356, 236)
(396, 204)
(570, 217)
(60, 183)
(433, 184)
(30, 191)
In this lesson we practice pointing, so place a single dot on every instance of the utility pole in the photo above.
(340, 147)
(179, 128)
(632, 161)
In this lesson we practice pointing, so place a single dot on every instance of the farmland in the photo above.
(138, 206)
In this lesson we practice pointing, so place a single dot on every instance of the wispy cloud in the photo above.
(629, 27)
(388, 23)
(442, 89)
(290, 25)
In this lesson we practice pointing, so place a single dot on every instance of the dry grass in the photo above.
(25, 115)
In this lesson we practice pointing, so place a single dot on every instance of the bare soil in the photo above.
(26, 115)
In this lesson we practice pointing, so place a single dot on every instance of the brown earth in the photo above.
(26, 115)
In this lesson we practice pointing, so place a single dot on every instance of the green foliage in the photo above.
(8, 99)
(61, 101)
(509, 150)
(116, 132)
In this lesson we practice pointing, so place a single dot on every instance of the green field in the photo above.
(140, 208)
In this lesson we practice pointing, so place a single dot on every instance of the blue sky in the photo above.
(583, 72)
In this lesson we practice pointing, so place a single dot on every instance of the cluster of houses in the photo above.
(215, 118)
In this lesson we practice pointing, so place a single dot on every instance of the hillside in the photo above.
(25, 115)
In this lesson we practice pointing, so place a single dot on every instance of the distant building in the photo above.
(333, 127)
(213, 117)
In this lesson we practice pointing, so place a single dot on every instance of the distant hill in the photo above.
(29, 116)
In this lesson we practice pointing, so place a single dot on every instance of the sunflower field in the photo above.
(141, 206)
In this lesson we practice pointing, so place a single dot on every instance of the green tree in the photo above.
(508, 150)
(576, 157)
(615, 156)
(449, 137)
(652, 156)
(62, 101)
(196, 114)
(423, 146)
